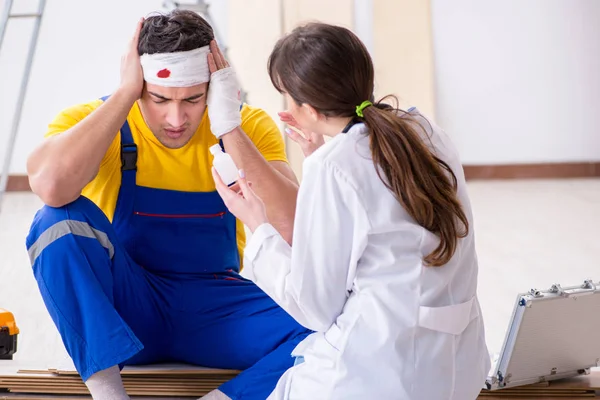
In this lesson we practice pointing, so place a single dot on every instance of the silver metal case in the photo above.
(552, 334)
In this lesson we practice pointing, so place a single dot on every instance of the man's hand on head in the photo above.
(216, 59)
(132, 77)
(224, 94)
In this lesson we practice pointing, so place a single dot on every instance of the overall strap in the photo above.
(128, 170)
(128, 156)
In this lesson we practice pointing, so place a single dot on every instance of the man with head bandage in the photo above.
(135, 254)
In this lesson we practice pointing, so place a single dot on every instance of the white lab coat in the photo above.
(386, 326)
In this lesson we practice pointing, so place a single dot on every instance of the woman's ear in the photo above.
(311, 113)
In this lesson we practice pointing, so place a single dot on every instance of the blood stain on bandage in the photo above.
(163, 73)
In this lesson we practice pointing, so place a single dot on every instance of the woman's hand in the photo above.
(241, 201)
(309, 142)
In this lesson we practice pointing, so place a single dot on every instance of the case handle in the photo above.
(588, 287)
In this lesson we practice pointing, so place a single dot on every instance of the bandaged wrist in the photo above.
(223, 101)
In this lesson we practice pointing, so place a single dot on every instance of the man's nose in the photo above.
(176, 115)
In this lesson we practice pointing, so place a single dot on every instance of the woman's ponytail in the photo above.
(422, 183)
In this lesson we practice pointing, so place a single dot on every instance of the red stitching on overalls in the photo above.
(143, 214)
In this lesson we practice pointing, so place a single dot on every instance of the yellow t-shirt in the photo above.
(186, 169)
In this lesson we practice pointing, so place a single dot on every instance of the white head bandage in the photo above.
(179, 69)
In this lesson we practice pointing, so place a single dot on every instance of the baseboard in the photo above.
(20, 183)
(533, 171)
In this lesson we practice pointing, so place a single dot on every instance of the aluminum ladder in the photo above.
(4, 19)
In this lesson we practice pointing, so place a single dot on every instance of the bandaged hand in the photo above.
(224, 102)
(224, 97)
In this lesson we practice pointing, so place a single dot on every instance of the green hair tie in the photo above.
(363, 105)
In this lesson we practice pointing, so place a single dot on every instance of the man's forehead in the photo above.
(177, 93)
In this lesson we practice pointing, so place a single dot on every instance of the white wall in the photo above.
(77, 59)
(519, 81)
(81, 42)
(514, 81)
(402, 52)
(363, 22)
(404, 68)
(251, 44)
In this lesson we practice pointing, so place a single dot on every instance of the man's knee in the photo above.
(52, 226)
(82, 209)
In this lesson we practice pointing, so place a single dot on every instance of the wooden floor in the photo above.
(530, 233)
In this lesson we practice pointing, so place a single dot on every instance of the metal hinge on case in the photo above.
(535, 293)
(556, 289)
(587, 288)
(584, 371)
(588, 284)
(500, 379)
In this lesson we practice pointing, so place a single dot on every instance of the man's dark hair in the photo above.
(178, 30)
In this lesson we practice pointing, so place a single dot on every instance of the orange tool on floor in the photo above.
(8, 335)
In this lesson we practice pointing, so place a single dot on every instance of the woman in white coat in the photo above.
(383, 265)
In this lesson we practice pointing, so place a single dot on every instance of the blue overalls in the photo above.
(160, 284)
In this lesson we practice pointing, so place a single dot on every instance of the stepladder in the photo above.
(6, 16)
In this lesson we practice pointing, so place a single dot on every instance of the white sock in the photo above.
(107, 385)
(216, 395)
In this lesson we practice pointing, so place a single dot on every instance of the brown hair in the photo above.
(330, 69)
(178, 30)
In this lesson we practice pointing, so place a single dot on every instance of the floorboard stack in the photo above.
(155, 381)
(175, 381)
(580, 387)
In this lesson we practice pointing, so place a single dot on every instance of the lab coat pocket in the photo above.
(452, 319)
